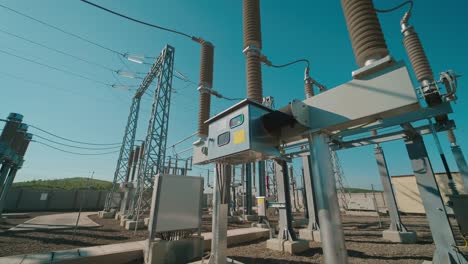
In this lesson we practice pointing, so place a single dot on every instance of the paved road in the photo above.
(57, 221)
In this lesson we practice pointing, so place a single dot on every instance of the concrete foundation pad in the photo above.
(239, 236)
(124, 253)
(178, 251)
(235, 219)
(362, 213)
(131, 225)
(105, 214)
(299, 222)
(228, 261)
(250, 218)
(123, 221)
(311, 235)
(399, 237)
(259, 225)
(291, 247)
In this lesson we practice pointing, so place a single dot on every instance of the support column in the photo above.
(3, 175)
(397, 231)
(331, 229)
(442, 234)
(312, 232)
(6, 188)
(249, 215)
(261, 179)
(459, 159)
(286, 240)
(220, 209)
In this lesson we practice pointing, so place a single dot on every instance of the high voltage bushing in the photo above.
(365, 31)
(416, 54)
(206, 82)
(252, 48)
(308, 88)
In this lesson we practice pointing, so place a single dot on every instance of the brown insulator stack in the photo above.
(364, 30)
(417, 56)
(308, 88)
(252, 48)
(206, 82)
(451, 137)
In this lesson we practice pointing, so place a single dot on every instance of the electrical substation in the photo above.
(251, 199)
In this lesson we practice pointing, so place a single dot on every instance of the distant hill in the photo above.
(360, 190)
(65, 184)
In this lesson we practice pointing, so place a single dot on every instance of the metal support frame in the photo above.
(285, 228)
(331, 229)
(310, 194)
(442, 234)
(395, 220)
(130, 129)
(125, 150)
(461, 164)
(152, 162)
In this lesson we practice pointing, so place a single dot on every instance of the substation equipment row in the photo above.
(380, 95)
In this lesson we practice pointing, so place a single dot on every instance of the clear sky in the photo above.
(86, 110)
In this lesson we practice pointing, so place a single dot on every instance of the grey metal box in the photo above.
(237, 135)
(176, 203)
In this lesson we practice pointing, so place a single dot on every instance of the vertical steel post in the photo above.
(220, 207)
(261, 179)
(331, 229)
(310, 194)
(442, 234)
(395, 220)
(286, 231)
(461, 164)
(6, 187)
(3, 174)
(248, 189)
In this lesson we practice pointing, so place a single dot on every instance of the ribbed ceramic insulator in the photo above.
(254, 78)
(251, 22)
(364, 29)
(206, 82)
(308, 89)
(417, 56)
(451, 136)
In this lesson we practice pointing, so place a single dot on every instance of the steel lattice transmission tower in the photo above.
(156, 137)
(161, 68)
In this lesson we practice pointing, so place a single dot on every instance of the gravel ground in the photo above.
(363, 241)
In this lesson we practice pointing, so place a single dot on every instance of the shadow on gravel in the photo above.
(359, 254)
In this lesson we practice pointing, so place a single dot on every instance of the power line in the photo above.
(75, 153)
(139, 21)
(74, 141)
(62, 30)
(56, 50)
(71, 146)
(48, 85)
(55, 68)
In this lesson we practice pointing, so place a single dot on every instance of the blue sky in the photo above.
(88, 111)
